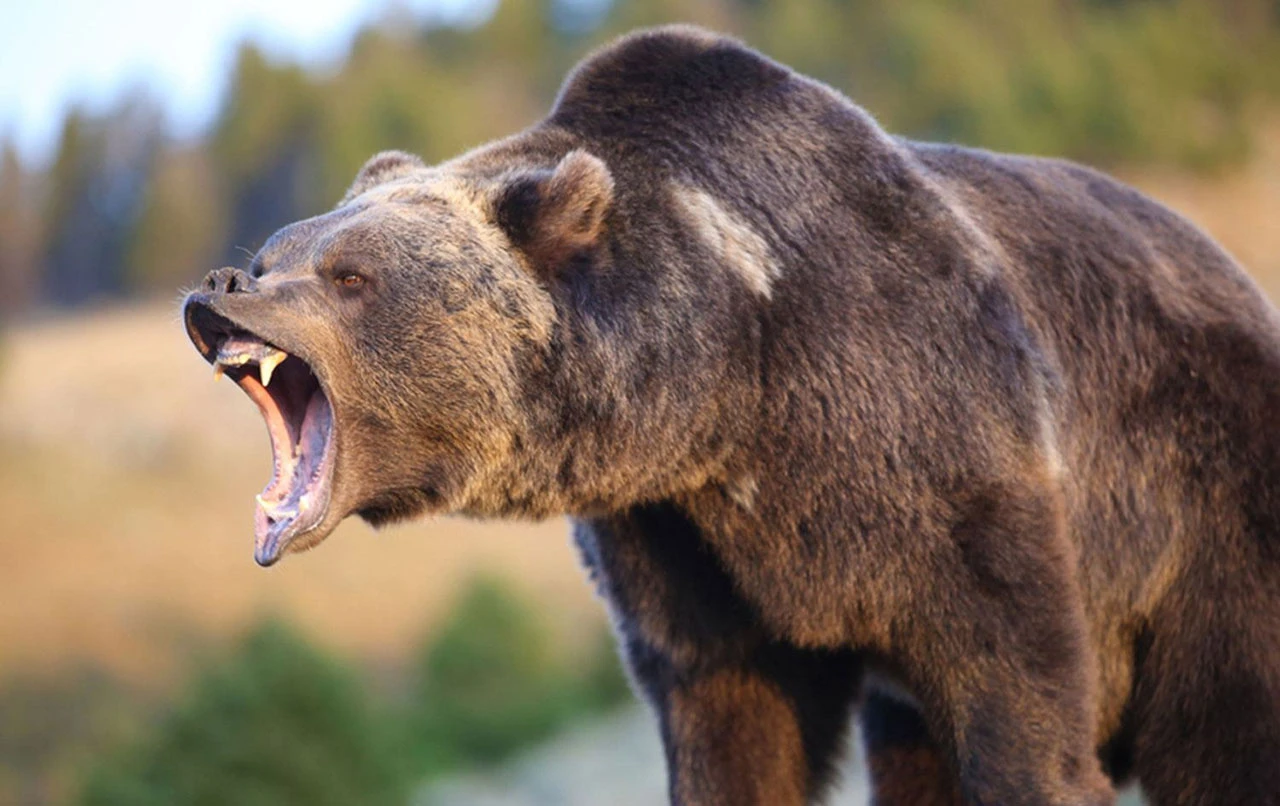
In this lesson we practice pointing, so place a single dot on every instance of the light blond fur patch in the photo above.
(977, 234)
(742, 490)
(1049, 444)
(741, 247)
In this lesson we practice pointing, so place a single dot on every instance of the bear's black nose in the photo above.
(229, 281)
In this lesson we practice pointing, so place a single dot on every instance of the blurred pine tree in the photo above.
(19, 232)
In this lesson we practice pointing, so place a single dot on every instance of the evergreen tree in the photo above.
(19, 237)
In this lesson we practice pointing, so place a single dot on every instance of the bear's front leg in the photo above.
(995, 649)
(732, 737)
(745, 719)
(765, 730)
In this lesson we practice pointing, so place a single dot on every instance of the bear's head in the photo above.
(387, 341)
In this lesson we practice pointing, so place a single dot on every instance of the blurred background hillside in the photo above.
(145, 659)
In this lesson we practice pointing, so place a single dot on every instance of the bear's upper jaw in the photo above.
(300, 423)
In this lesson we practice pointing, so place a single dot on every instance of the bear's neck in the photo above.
(645, 393)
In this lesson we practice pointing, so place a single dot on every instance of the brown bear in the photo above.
(985, 448)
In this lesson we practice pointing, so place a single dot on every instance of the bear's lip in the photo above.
(300, 423)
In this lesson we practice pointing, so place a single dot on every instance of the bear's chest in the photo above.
(679, 582)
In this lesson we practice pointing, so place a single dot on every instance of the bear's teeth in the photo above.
(275, 510)
(268, 364)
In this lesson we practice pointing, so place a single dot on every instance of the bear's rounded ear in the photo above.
(382, 167)
(553, 215)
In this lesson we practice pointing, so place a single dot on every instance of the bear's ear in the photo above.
(552, 215)
(381, 168)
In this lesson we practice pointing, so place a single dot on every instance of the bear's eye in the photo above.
(350, 280)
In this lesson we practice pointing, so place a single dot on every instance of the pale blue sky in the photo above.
(55, 52)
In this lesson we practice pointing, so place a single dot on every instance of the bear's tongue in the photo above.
(297, 451)
(299, 421)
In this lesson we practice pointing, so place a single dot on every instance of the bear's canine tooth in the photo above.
(268, 364)
(217, 371)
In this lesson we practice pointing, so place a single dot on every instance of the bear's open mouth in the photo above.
(300, 423)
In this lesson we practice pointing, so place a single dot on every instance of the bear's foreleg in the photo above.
(745, 719)
(763, 730)
(994, 646)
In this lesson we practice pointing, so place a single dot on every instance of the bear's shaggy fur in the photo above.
(984, 447)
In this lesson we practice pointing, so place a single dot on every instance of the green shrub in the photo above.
(276, 723)
(491, 683)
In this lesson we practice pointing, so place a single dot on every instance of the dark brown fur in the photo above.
(984, 445)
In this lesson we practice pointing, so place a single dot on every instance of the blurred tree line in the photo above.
(125, 209)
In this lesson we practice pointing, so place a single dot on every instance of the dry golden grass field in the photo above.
(127, 479)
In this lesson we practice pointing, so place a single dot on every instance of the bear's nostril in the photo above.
(229, 281)
(240, 283)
